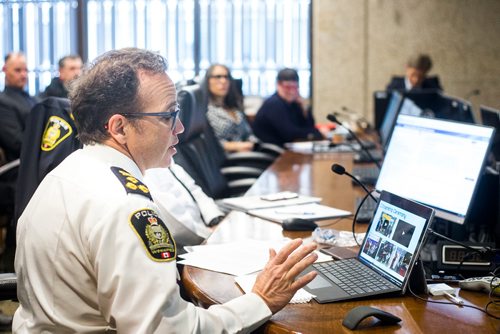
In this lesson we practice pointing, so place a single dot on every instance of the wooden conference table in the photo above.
(310, 174)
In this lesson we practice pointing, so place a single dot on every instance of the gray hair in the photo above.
(110, 85)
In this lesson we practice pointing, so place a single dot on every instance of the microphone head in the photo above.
(338, 169)
(333, 118)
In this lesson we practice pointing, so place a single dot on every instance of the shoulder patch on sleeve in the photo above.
(131, 184)
(155, 236)
(56, 130)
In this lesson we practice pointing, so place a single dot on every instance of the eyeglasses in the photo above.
(164, 116)
(220, 76)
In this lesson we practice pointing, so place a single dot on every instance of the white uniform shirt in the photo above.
(182, 214)
(83, 268)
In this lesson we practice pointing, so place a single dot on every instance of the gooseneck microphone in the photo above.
(340, 170)
(334, 119)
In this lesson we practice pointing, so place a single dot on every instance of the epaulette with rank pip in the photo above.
(131, 184)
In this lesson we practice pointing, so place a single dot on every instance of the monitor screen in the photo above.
(409, 107)
(435, 162)
(390, 117)
(491, 117)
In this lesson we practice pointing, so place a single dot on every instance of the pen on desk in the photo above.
(294, 212)
(454, 299)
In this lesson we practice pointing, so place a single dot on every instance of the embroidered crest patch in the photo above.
(153, 233)
(56, 130)
(132, 185)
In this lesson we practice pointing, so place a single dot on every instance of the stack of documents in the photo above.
(284, 198)
(310, 211)
(237, 258)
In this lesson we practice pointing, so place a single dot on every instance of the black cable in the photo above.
(190, 194)
(356, 216)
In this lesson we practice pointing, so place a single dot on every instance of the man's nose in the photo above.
(179, 127)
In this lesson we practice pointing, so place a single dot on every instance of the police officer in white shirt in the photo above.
(94, 253)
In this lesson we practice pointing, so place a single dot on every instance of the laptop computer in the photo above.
(386, 256)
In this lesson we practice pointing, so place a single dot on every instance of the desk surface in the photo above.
(311, 175)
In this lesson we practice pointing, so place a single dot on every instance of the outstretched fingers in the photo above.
(285, 252)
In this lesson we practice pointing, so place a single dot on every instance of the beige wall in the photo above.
(359, 44)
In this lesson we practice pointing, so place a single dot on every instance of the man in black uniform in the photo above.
(15, 104)
(70, 68)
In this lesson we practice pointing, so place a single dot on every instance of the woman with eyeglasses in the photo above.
(225, 115)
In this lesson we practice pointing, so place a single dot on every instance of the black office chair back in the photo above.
(195, 153)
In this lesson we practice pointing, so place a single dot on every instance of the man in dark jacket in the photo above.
(70, 67)
(282, 117)
(15, 104)
(417, 68)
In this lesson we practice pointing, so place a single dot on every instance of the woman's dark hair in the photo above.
(110, 85)
(233, 99)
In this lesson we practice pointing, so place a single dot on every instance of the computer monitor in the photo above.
(438, 105)
(491, 117)
(408, 107)
(380, 103)
(435, 162)
(390, 118)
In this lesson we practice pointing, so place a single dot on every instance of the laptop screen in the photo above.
(395, 236)
(435, 162)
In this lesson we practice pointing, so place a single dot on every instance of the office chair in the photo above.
(8, 281)
(201, 154)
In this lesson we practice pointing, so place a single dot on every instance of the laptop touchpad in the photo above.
(318, 283)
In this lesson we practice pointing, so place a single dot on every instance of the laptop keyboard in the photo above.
(353, 277)
(366, 212)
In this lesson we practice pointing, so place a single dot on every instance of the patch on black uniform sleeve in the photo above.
(132, 185)
(56, 130)
(154, 235)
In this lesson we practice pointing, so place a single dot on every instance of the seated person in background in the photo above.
(70, 68)
(282, 117)
(15, 105)
(116, 257)
(417, 68)
(225, 115)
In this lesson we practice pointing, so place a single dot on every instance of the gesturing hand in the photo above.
(277, 283)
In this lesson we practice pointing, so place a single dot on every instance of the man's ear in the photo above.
(117, 128)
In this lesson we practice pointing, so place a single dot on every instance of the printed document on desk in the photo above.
(312, 211)
(246, 203)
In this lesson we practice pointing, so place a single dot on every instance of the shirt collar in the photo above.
(113, 157)
(408, 85)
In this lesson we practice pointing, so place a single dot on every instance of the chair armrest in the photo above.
(239, 187)
(8, 286)
(240, 172)
(272, 149)
(10, 165)
(250, 159)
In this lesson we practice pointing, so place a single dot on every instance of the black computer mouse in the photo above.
(358, 314)
(298, 224)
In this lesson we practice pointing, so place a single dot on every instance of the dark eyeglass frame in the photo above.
(220, 76)
(164, 115)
